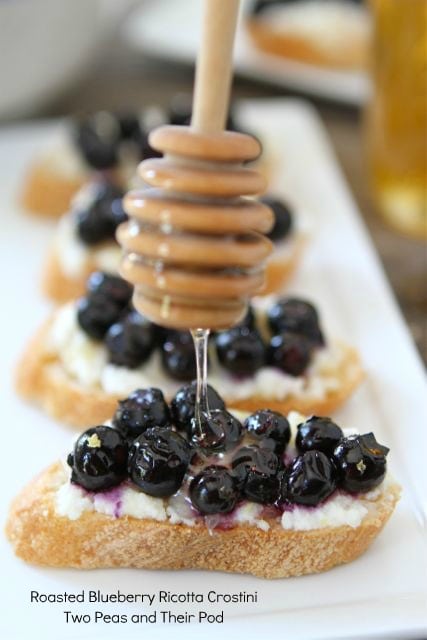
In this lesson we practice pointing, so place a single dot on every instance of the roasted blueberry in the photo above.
(96, 315)
(112, 287)
(217, 431)
(178, 356)
(98, 138)
(282, 218)
(361, 463)
(240, 350)
(310, 479)
(182, 405)
(99, 460)
(289, 352)
(296, 316)
(158, 461)
(255, 470)
(270, 428)
(98, 219)
(143, 409)
(107, 297)
(320, 434)
(130, 341)
(213, 491)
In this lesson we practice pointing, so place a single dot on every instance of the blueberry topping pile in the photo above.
(106, 300)
(160, 450)
(101, 138)
(98, 219)
(282, 218)
(106, 313)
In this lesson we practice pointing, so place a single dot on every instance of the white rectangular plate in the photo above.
(170, 29)
(381, 594)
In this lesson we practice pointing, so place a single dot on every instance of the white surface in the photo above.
(383, 594)
(171, 29)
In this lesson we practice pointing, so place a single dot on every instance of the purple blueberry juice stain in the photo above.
(113, 497)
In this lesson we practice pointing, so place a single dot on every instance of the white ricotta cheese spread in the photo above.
(85, 360)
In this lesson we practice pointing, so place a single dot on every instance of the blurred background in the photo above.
(363, 65)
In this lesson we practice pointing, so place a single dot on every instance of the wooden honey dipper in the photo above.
(194, 248)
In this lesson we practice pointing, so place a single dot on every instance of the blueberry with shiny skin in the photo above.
(255, 470)
(99, 459)
(114, 288)
(361, 463)
(282, 218)
(318, 433)
(289, 352)
(311, 478)
(270, 428)
(220, 431)
(131, 341)
(96, 315)
(296, 316)
(106, 299)
(99, 220)
(240, 350)
(158, 461)
(214, 490)
(178, 356)
(183, 404)
(143, 409)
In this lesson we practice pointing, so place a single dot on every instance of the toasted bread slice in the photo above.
(42, 378)
(48, 193)
(95, 540)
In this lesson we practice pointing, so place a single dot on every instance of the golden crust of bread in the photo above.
(40, 536)
(295, 47)
(60, 287)
(280, 269)
(46, 192)
(41, 379)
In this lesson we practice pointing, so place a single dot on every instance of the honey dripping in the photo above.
(194, 247)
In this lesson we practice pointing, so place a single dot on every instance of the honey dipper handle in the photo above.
(214, 66)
